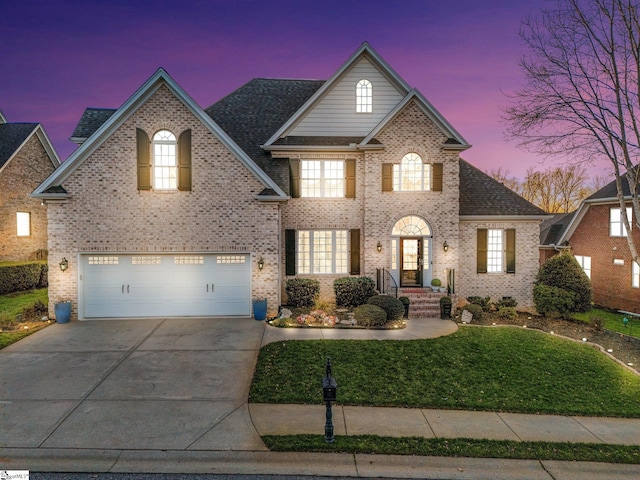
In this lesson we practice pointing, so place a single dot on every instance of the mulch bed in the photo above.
(624, 348)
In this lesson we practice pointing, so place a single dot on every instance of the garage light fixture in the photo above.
(260, 263)
(64, 264)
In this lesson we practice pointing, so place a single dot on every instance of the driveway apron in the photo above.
(177, 384)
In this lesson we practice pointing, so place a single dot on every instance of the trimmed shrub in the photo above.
(564, 272)
(369, 315)
(353, 291)
(484, 303)
(553, 301)
(22, 276)
(302, 292)
(506, 302)
(508, 313)
(392, 306)
(475, 309)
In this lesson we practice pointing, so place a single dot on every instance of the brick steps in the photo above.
(424, 303)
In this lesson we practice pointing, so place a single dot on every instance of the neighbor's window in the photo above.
(322, 251)
(616, 225)
(364, 96)
(23, 221)
(165, 171)
(411, 174)
(322, 178)
(635, 275)
(585, 263)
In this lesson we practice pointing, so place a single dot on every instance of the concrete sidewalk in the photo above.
(170, 396)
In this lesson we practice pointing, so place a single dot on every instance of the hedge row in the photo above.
(26, 276)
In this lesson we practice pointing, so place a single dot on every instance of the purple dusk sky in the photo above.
(58, 57)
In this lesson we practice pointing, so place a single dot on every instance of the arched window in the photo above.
(165, 169)
(411, 225)
(411, 174)
(364, 96)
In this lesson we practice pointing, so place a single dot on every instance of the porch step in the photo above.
(424, 302)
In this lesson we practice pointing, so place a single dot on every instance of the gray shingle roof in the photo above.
(91, 120)
(553, 228)
(610, 191)
(12, 135)
(253, 113)
(480, 194)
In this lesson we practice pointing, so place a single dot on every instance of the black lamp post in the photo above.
(329, 394)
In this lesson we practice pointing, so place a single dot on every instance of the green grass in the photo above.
(458, 447)
(13, 303)
(612, 321)
(7, 339)
(498, 369)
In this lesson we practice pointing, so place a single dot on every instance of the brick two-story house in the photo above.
(170, 209)
(27, 157)
(596, 236)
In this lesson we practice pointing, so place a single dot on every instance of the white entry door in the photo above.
(152, 285)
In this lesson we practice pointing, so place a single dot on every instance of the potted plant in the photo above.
(405, 302)
(445, 307)
(62, 311)
(260, 308)
(436, 284)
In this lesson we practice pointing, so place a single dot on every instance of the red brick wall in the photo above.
(611, 283)
(28, 168)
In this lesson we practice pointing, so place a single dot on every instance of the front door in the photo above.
(411, 262)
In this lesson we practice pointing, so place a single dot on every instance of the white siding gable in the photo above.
(335, 113)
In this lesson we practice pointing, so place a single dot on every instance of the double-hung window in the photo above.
(616, 225)
(322, 178)
(23, 223)
(635, 275)
(411, 174)
(585, 263)
(165, 166)
(322, 251)
(496, 250)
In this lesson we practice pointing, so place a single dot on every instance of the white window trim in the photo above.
(312, 267)
(364, 96)
(635, 275)
(585, 264)
(172, 169)
(426, 177)
(323, 179)
(499, 251)
(23, 224)
(616, 225)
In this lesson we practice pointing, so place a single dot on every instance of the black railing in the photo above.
(385, 282)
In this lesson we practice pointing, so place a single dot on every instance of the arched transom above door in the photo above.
(411, 225)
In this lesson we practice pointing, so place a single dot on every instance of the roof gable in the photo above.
(482, 195)
(117, 118)
(362, 63)
(91, 120)
(13, 136)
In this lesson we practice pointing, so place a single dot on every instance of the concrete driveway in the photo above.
(157, 384)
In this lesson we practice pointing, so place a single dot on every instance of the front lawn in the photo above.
(612, 321)
(14, 303)
(491, 369)
(20, 315)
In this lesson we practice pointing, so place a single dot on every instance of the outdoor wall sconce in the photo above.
(379, 247)
(64, 264)
(445, 246)
(260, 263)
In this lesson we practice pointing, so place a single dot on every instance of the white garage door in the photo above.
(165, 285)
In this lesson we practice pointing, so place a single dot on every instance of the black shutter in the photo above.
(482, 250)
(294, 177)
(355, 251)
(144, 160)
(290, 251)
(184, 161)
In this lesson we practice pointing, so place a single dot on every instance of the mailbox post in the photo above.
(329, 394)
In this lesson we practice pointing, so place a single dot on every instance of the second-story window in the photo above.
(165, 168)
(616, 223)
(364, 96)
(322, 178)
(411, 174)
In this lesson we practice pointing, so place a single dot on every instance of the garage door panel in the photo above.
(165, 285)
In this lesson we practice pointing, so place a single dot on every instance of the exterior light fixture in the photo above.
(445, 246)
(64, 264)
(260, 263)
(379, 246)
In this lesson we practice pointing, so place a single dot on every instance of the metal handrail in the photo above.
(385, 282)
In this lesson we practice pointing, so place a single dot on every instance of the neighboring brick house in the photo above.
(169, 209)
(26, 159)
(597, 238)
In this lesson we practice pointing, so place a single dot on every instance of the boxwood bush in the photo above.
(392, 306)
(302, 292)
(368, 315)
(353, 291)
(553, 301)
(16, 277)
(475, 309)
(564, 272)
